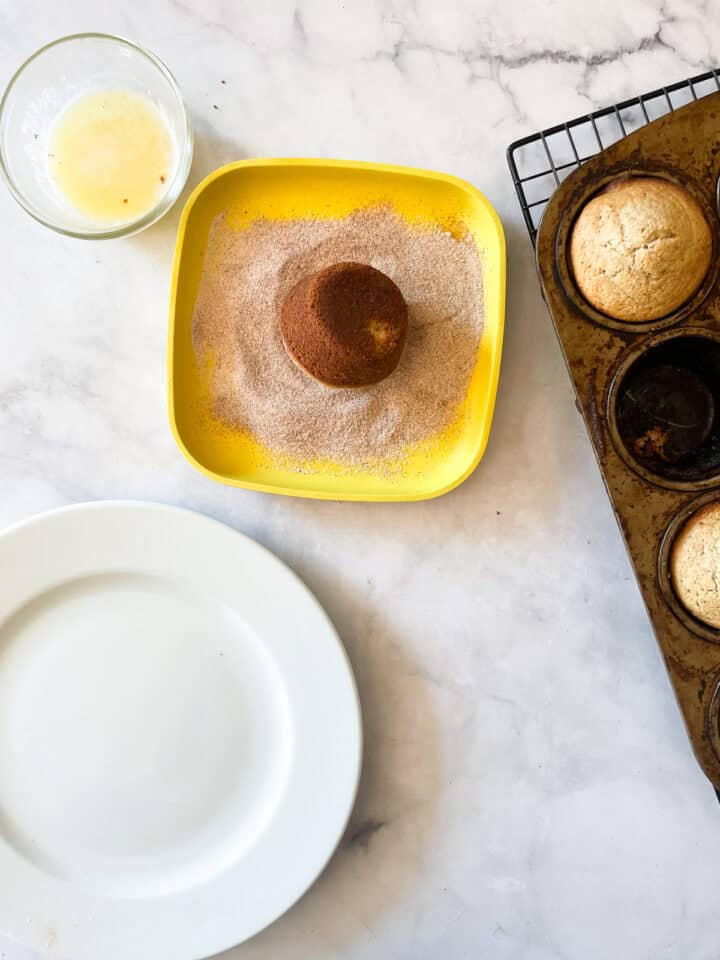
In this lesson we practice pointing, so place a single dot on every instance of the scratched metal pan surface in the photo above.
(679, 353)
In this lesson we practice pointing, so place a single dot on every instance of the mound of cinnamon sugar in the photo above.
(255, 386)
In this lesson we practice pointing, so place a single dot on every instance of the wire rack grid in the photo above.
(540, 162)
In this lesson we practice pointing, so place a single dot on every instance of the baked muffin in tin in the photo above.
(640, 249)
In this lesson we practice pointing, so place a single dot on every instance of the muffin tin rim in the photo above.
(628, 358)
(677, 522)
(712, 727)
(581, 197)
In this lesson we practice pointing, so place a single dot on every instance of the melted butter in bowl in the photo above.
(95, 140)
(111, 155)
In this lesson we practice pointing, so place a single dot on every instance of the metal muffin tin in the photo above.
(615, 364)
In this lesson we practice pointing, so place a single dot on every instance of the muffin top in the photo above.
(695, 565)
(345, 325)
(640, 248)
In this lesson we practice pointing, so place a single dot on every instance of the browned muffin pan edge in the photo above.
(652, 498)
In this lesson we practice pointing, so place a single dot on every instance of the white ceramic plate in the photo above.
(180, 734)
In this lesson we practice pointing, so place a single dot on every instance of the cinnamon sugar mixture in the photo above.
(256, 387)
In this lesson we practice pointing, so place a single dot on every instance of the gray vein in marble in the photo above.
(363, 833)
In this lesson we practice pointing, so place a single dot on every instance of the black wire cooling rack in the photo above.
(540, 162)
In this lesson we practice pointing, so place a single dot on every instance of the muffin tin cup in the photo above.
(693, 352)
(650, 396)
(713, 720)
(564, 231)
(664, 574)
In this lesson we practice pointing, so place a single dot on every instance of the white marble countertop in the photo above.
(529, 791)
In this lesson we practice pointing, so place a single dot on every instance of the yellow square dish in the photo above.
(288, 189)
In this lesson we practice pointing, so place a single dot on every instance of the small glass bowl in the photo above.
(39, 92)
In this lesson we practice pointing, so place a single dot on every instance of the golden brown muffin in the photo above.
(640, 249)
(695, 565)
(345, 325)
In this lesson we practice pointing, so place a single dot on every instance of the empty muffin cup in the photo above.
(664, 411)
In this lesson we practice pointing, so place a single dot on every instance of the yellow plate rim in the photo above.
(321, 494)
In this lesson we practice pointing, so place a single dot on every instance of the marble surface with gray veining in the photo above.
(528, 789)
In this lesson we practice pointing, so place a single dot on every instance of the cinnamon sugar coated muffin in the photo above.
(695, 565)
(640, 249)
(345, 325)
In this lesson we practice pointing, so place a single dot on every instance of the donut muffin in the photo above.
(345, 325)
(695, 565)
(640, 249)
